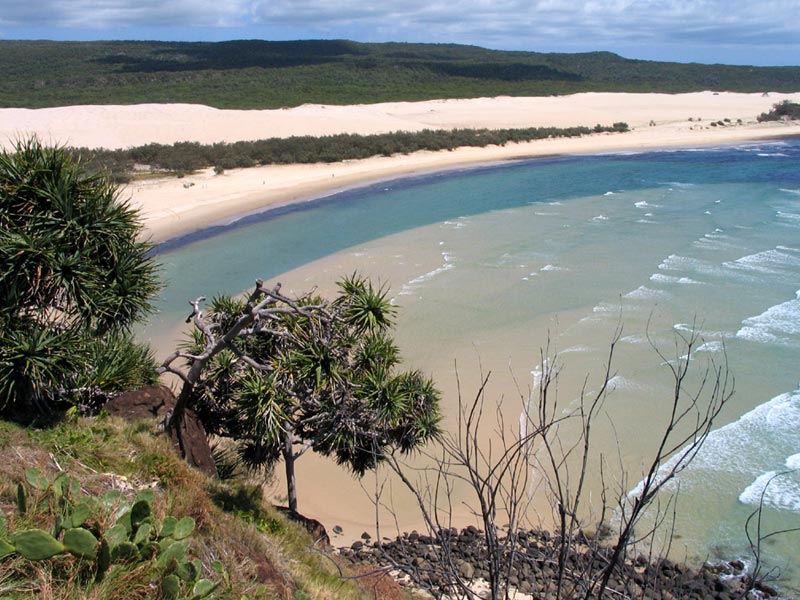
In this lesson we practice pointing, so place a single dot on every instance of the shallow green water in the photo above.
(489, 264)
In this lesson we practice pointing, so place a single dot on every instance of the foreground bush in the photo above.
(75, 278)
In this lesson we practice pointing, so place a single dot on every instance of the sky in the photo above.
(750, 32)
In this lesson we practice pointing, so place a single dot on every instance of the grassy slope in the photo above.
(264, 555)
(260, 74)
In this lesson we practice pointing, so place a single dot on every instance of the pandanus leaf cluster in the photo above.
(312, 373)
(76, 276)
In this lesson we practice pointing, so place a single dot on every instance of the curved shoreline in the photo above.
(172, 208)
(180, 210)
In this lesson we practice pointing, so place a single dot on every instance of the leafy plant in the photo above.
(75, 278)
(781, 110)
(136, 537)
(248, 74)
(279, 376)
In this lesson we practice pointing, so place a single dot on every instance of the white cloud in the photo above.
(102, 14)
(524, 24)
(720, 20)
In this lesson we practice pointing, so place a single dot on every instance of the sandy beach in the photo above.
(172, 207)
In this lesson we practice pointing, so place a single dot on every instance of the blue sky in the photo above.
(757, 32)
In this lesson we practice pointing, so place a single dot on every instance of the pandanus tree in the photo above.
(280, 376)
(75, 277)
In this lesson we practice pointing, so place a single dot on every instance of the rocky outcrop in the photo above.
(533, 571)
(316, 529)
(149, 402)
(157, 402)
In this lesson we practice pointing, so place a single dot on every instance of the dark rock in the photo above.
(337, 530)
(149, 402)
(366, 536)
(157, 402)
(357, 546)
(525, 587)
(766, 588)
(534, 569)
(466, 570)
(316, 529)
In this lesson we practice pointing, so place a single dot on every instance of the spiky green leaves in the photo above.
(74, 269)
(328, 378)
(366, 307)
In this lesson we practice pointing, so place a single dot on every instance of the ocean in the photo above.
(489, 265)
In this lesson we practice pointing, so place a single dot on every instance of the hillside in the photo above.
(252, 74)
(239, 546)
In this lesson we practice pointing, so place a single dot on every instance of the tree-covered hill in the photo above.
(263, 74)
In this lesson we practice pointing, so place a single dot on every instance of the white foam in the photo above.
(776, 262)
(743, 446)
(715, 346)
(618, 382)
(778, 324)
(675, 262)
(576, 350)
(407, 288)
(608, 194)
(693, 330)
(600, 218)
(553, 268)
(680, 184)
(793, 462)
(605, 307)
(431, 274)
(661, 278)
(788, 191)
(645, 293)
(454, 224)
(712, 244)
(773, 489)
(641, 204)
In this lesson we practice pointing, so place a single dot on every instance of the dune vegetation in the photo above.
(184, 157)
(249, 74)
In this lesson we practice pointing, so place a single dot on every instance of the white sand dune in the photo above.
(172, 207)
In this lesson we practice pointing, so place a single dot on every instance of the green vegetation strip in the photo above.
(782, 111)
(250, 74)
(189, 156)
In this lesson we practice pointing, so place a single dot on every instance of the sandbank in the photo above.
(172, 207)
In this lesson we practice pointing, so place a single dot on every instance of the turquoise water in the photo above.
(488, 264)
